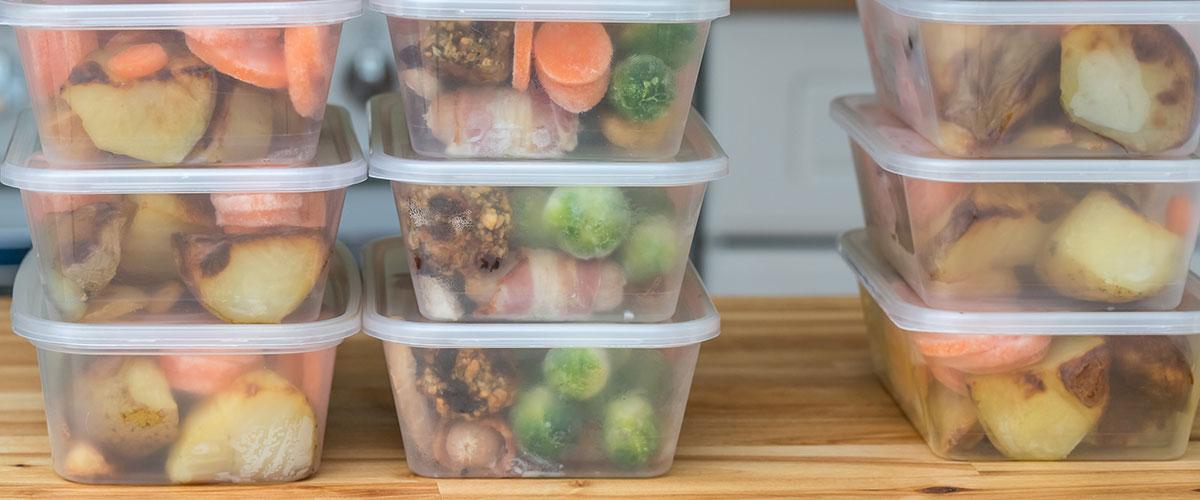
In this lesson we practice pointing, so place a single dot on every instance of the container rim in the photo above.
(653, 11)
(102, 14)
(902, 151)
(30, 320)
(701, 159)
(339, 164)
(1048, 11)
(908, 312)
(696, 319)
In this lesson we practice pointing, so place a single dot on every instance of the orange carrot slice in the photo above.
(251, 212)
(309, 52)
(136, 61)
(576, 98)
(233, 36)
(522, 55)
(206, 374)
(1179, 216)
(572, 53)
(258, 63)
(50, 55)
(943, 345)
(133, 37)
(1011, 352)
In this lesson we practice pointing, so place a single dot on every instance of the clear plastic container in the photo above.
(145, 83)
(131, 245)
(1023, 234)
(534, 400)
(489, 79)
(543, 240)
(1032, 385)
(1043, 79)
(181, 402)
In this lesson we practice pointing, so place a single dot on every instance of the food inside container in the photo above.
(1023, 234)
(1032, 385)
(187, 403)
(144, 245)
(1037, 79)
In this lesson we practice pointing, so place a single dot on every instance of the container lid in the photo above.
(338, 163)
(901, 150)
(391, 314)
(642, 11)
(340, 318)
(700, 160)
(172, 14)
(1048, 11)
(908, 312)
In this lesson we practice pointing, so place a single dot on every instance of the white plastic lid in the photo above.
(31, 315)
(700, 160)
(391, 315)
(902, 151)
(1048, 11)
(644, 11)
(338, 163)
(908, 312)
(101, 14)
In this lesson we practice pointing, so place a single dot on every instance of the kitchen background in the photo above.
(769, 74)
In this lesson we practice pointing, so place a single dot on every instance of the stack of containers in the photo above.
(1029, 177)
(548, 174)
(183, 181)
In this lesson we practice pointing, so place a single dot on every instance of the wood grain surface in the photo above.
(784, 404)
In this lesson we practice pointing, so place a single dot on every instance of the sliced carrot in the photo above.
(136, 61)
(206, 374)
(572, 53)
(50, 55)
(251, 212)
(1010, 353)
(133, 37)
(943, 345)
(258, 63)
(949, 377)
(1179, 216)
(308, 371)
(233, 36)
(522, 54)
(309, 53)
(576, 98)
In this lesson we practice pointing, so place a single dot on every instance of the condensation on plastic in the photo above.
(339, 163)
(1048, 11)
(908, 312)
(31, 313)
(642, 11)
(392, 157)
(902, 151)
(93, 14)
(391, 314)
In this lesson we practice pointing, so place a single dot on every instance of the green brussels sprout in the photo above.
(528, 204)
(651, 250)
(577, 373)
(640, 371)
(630, 432)
(543, 423)
(642, 88)
(648, 201)
(588, 222)
(673, 43)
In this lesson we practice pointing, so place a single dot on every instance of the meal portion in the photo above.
(243, 257)
(183, 418)
(487, 89)
(574, 412)
(583, 253)
(253, 96)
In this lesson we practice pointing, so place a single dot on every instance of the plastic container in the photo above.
(181, 402)
(534, 400)
(542, 240)
(488, 79)
(143, 83)
(247, 245)
(1042, 79)
(1023, 234)
(1032, 385)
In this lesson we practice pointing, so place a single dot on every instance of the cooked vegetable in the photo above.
(642, 88)
(125, 406)
(673, 43)
(544, 423)
(572, 53)
(631, 434)
(577, 373)
(652, 250)
(590, 222)
(529, 228)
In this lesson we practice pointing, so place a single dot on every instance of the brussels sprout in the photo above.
(673, 43)
(577, 373)
(544, 423)
(642, 88)
(640, 371)
(528, 204)
(588, 222)
(630, 432)
(648, 201)
(651, 250)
